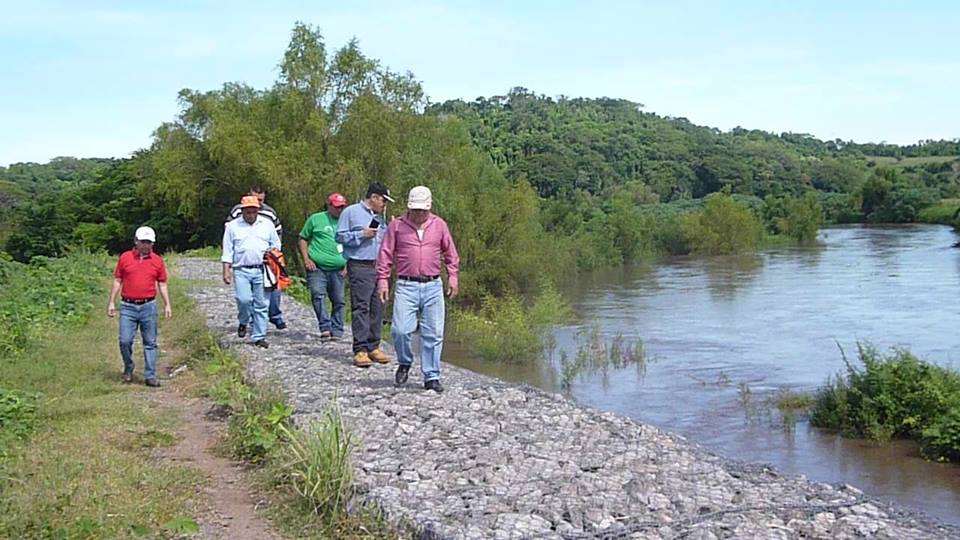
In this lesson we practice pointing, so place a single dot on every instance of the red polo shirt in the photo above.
(140, 275)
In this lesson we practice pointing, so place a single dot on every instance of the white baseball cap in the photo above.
(145, 233)
(420, 198)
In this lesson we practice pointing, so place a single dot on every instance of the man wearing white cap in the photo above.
(416, 243)
(139, 274)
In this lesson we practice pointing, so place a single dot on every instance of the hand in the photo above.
(369, 233)
(227, 276)
(167, 311)
(452, 290)
(343, 272)
(311, 266)
(384, 295)
(111, 310)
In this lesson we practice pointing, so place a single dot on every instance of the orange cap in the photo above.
(249, 201)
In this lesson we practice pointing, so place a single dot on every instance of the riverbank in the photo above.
(489, 459)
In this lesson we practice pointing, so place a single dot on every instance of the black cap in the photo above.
(376, 188)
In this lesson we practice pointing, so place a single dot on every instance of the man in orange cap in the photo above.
(275, 316)
(245, 240)
(326, 267)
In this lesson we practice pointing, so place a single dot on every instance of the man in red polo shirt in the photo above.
(139, 273)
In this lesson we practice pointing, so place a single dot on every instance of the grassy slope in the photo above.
(87, 471)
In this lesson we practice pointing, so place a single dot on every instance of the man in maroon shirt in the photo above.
(138, 275)
(416, 243)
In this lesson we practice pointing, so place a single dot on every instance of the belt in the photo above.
(136, 301)
(250, 266)
(419, 279)
(363, 262)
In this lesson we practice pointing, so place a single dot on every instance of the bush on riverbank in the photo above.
(944, 212)
(505, 329)
(894, 395)
(723, 226)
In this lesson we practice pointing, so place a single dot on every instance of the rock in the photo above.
(488, 459)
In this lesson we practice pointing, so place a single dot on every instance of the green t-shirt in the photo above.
(320, 230)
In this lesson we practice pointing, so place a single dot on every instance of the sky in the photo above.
(95, 79)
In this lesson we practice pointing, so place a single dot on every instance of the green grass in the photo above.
(86, 470)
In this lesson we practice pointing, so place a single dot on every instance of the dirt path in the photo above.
(231, 507)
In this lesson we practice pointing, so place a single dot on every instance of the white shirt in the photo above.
(244, 244)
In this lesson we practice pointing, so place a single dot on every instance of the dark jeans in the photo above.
(329, 283)
(365, 306)
(276, 317)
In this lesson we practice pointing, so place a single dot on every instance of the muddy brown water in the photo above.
(712, 326)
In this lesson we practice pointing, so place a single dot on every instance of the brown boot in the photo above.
(379, 356)
(361, 359)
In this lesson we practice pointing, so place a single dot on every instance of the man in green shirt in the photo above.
(326, 267)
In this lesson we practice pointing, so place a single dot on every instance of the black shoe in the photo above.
(128, 376)
(401, 376)
(325, 336)
(152, 382)
(241, 330)
(262, 344)
(433, 385)
(280, 325)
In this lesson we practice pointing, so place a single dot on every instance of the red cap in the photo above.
(337, 200)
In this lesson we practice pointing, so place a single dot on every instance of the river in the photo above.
(712, 327)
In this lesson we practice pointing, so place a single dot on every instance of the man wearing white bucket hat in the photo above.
(139, 274)
(416, 243)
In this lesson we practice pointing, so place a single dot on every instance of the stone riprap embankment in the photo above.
(488, 459)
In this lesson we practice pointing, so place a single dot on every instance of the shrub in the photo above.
(941, 441)
(944, 213)
(499, 331)
(803, 218)
(257, 427)
(505, 330)
(896, 395)
(724, 226)
(257, 414)
(840, 208)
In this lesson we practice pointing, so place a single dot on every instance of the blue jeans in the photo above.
(276, 317)
(423, 301)
(144, 316)
(329, 283)
(251, 300)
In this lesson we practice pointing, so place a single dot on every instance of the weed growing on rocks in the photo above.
(315, 464)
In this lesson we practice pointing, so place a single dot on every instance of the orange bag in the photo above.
(275, 270)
